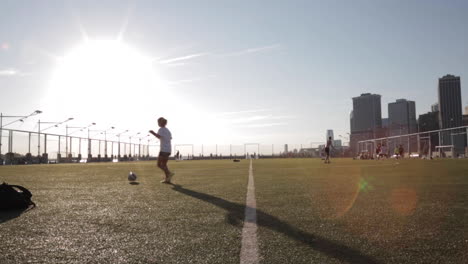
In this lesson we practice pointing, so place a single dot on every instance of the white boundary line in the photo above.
(249, 249)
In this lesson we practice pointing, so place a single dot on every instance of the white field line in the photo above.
(249, 249)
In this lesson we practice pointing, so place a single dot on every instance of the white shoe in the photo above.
(170, 176)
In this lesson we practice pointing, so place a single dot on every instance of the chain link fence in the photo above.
(28, 147)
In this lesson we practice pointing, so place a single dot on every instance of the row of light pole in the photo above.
(19, 119)
(68, 145)
(39, 130)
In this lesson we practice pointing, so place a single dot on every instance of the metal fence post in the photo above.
(10, 141)
(29, 142)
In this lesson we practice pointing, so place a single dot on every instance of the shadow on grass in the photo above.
(134, 183)
(11, 214)
(236, 215)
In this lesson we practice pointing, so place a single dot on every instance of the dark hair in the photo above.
(162, 120)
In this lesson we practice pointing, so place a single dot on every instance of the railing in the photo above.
(20, 146)
(45, 147)
(421, 144)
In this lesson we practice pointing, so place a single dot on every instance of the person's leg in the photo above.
(163, 166)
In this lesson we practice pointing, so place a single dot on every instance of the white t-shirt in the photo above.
(165, 139)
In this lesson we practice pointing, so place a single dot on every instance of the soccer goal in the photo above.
(186, 151)
(251, 150)
(445, 151)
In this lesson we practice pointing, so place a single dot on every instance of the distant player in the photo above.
(401, 151)
(378, 149)
(327, 150)
(165, 138)
(384, 151)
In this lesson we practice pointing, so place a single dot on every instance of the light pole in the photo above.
(105, 140)
(342, 147)
(20, 118)
(139, 145)
(67, 134)
(118, 149)
(89, 142)
(130, 138)
(56, 124)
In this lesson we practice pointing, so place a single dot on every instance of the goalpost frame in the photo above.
(418, 135)
(251, 144)
(183, 145)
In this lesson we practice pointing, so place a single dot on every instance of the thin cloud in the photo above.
(13, 72)
(183, 58)
(8, 72)
(172, 83)
(243, 112)
(253, 50)
(258, 118)
(183, 81)
(251, 119)
(176, 64)
(265, 125)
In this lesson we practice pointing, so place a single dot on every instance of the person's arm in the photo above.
(155, 134)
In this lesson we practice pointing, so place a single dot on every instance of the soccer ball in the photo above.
(132, 176)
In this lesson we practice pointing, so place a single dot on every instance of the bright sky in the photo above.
(225, 71)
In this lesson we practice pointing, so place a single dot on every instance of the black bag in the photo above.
(14, 197)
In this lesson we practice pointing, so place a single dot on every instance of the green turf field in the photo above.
(410, 211)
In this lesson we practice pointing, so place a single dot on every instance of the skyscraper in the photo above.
(367, 112)
(366, 118)
(450, 102)
(429, 122)
(330, 134)
(402, 117)
(385, 122)
(450, 111)
(351, 120)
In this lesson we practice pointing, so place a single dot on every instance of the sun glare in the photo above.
(101, 69)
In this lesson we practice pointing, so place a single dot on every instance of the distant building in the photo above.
(466, 110)
(367, 112)
(351, 121)
(450, 111)
(429, 122)
(402, 117)
(366, 118)
(285, 148)
(450, 106)
(465, 120)
(385, 123)
(435, 107)
(337, 143)
(330, 134)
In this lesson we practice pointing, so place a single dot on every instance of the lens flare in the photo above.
(404, 200)
(337, 190)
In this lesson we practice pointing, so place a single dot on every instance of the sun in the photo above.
(101, 74)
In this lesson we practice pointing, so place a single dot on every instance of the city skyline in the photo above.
(259, 79)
